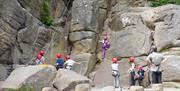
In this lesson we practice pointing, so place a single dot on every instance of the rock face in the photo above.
(136, 88)
(79, 26)
(4, 72)
(21, 31)
(48, 89)
(36, 76)
(170, 67)
(132, 40)
(87, 63)
(83, 87)
(67, 80)
(105, 74)
(166, 22)
(157, 87)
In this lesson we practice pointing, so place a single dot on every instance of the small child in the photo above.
(141, 75)
(69, 63)
(59, 61)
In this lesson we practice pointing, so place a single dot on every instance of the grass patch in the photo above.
(156, 3)
(23, 88)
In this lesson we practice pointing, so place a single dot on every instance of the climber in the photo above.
(69, 63)
(140, 75)
(154, 62)
(115, 72)
(133, 71)
(105, 46)
(38, 59)
(59, 61)
(42, 58)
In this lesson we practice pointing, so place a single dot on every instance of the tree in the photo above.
(45, 14)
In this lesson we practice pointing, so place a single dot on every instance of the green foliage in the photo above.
(45, 14)
(23, 88)
(155, 3)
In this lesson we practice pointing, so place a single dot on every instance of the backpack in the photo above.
(60, 62)
(141, 74)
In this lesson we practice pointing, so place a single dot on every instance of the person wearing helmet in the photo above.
(42, 58)
(133, 71)
(105, 46)
(59, 61)
(69, 63)
(38, 59)
(115, 72)
(140, 75)
(154, 61)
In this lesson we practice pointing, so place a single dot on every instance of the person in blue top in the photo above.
(59, 61)
(141, 75)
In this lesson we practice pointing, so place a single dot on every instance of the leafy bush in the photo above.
(23, 88)
(155, 3)
(45, 14)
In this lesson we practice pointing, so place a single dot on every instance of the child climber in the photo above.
(59, 61)
(115, 72)
(69, 63)
(105, 46)
(42, 58)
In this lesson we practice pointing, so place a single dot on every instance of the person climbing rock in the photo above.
(140, 75)
(42, 58)
(155, 60)
(38, 59)
(59, 61)
(69, 63)
(133, 71)
(115, 72)
(105, 46)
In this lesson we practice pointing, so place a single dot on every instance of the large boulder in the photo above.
(67, 80)
(165, 20)
(38, 76)
(49, 89)
(83, 87)
(136, 88)
(129, 37)
(87, 63)
(171, 67)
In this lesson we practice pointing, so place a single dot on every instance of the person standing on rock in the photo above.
(42, 58)
(105, 46)
(69, 63)
(115, 72)
(133, 71)
(59, 61)
(155, 60)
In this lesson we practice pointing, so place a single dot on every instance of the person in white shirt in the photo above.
(69, 63)
(115, 72)
(155, 60)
